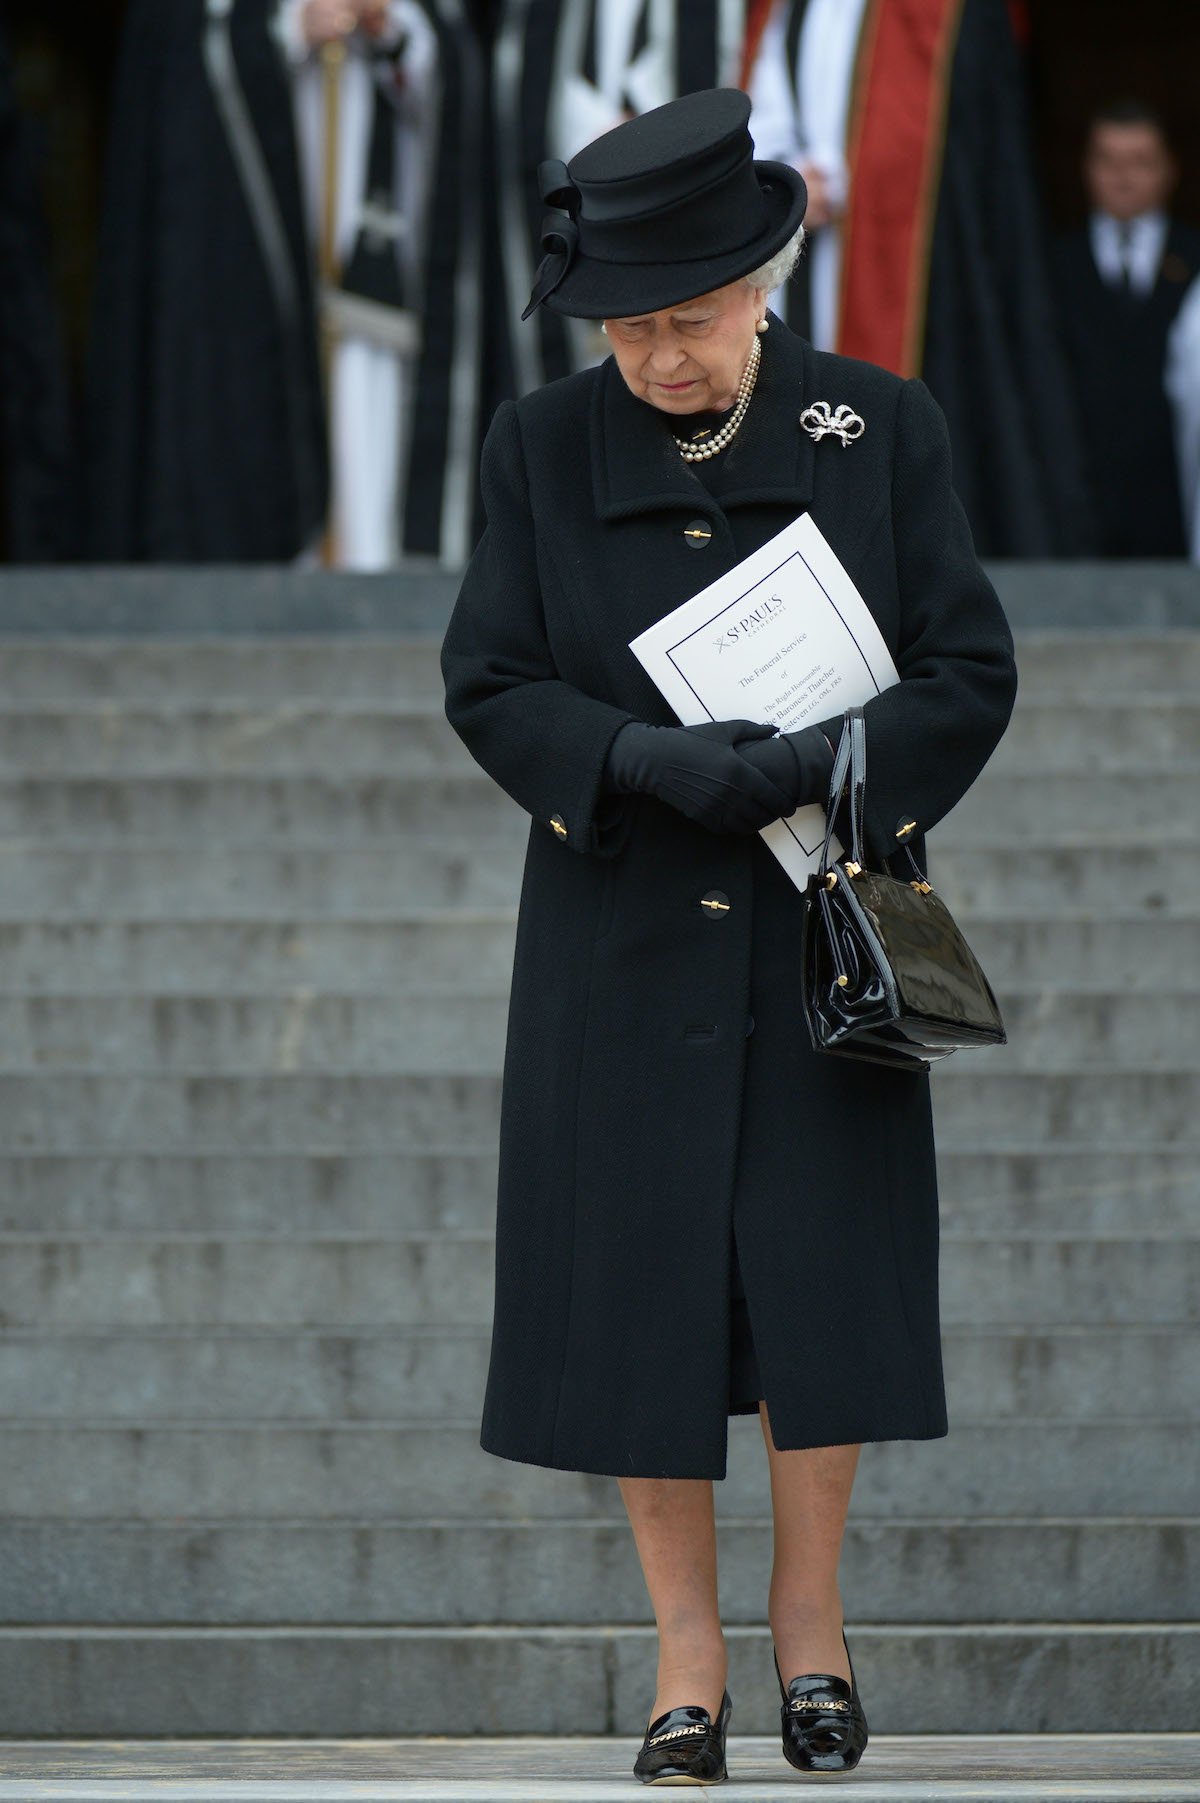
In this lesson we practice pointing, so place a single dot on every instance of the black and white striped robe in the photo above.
(563, 71)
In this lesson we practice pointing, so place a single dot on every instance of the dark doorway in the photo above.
(1086, 53)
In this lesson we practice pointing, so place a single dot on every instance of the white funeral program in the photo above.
(785, 637)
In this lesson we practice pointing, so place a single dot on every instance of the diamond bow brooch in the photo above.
(844, 424)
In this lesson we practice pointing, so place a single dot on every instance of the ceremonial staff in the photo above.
(333, 56)
(361, 297)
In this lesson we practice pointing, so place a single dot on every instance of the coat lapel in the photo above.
(636, 467)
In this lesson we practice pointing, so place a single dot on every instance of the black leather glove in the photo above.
(798, 763)
(699, 771)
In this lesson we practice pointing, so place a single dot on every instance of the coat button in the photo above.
(559, 825)
(715, 904)
(749, 1025)
(697, 534)
(905, 825)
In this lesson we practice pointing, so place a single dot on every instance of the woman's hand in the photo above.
(328, 21)
(700, 771)
(798, 763)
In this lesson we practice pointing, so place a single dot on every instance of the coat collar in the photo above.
(637, 469)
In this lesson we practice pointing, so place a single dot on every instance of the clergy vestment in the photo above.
(205, 432)
(402, 305)
(1182, 379)
(563, 72)
(941, 266)
(800, 87)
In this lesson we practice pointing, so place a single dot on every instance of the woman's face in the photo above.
(690, 357)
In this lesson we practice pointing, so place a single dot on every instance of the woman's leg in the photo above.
(676, 1534)
(810, 1493)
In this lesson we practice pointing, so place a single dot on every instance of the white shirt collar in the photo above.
(1147, 238)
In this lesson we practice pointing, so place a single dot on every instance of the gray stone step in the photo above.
(1072, 809)
(353, 1374)
(1025, 876)
(442, 1277)
(1088, 664)
(170, 1113)
(243, 809)
(473, 947)
(213, 737)
(1085, 954)
(425, 1030)
(389, 667)
(341, 737)
(178, 879)
(1049, 1028)
(1103, 598)
(264, 602)
(977, 1104)
(950, 1570)
(580, 1768)
(286, 669)
(1080, 1188)
(266, 1470)
(1040, 1677)
(1102, 733)
(252, 1192)
(181, 879)
(445, 1029)
(987, 1105)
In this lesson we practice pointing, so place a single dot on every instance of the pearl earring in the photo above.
(762, 325)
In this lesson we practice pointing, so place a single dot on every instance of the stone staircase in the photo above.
(256, 912)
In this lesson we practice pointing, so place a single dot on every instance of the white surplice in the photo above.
(1181, 378)
(370, 383)
(800, 116)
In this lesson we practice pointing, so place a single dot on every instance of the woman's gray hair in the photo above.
(778, 268)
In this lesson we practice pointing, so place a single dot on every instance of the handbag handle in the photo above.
(850, 764)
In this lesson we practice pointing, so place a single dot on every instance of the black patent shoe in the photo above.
(824, 1728)
(685, 1746)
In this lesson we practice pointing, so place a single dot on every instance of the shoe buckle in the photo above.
(677, 1733)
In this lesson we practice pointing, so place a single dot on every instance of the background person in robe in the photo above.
(205, 430)
(206, 413)
(563, 72)
(380, 163)
(938, 264)
(403, 311)
(1121, 279)
(800, 78)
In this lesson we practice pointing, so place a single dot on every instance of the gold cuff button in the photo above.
(905, 825)
(559, 825)
(697, 534)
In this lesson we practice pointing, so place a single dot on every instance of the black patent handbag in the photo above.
(887, 975)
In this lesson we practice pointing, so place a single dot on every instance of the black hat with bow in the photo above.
(662, 208)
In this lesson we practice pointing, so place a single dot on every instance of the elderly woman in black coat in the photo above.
(698, 1215)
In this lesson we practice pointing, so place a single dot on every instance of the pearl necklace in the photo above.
(691, 449)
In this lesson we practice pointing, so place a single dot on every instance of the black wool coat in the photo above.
(1117, 345)
(660, 1093)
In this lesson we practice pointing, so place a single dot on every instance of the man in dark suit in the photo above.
(1120, 280)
